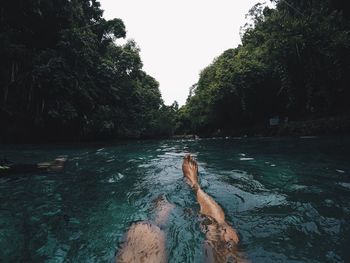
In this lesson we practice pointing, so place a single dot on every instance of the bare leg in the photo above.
(145, 242)
(222, 239)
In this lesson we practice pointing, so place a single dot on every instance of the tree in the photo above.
(63, 76)
(292, 62)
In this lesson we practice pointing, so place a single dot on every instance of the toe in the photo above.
(193, 162)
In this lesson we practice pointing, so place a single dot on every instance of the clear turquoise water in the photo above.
(289, 199)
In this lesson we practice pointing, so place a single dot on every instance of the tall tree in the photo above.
(292, 62)
(63, 76)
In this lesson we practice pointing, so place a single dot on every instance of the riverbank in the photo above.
(316, 127)
(324, 126)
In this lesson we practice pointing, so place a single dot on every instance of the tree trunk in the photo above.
(6, 87)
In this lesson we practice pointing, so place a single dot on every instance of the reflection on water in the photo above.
(288, 198)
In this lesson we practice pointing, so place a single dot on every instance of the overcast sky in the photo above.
(178, 38)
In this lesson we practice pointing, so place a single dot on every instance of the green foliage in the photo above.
(293, 62)
(164, 120)
(62, 75)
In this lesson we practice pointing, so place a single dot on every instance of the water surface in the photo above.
(288, 198)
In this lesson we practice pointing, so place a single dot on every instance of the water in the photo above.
(289, 199)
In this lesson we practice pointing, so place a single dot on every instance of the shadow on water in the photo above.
(288, 198)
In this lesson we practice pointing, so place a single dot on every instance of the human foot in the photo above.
(190, 170)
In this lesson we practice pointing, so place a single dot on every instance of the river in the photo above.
(288, 198)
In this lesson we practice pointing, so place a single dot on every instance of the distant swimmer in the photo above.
(56, 165)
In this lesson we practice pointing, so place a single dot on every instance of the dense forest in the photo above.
(62, 75)
(293, 64)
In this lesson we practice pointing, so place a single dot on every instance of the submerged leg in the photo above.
(145, 241)
(163, 209)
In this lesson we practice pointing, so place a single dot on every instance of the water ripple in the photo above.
(288, 199)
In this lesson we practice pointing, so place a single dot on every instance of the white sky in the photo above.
(178, 38)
